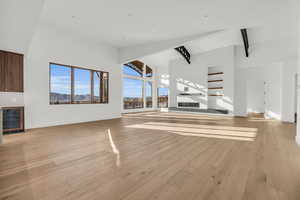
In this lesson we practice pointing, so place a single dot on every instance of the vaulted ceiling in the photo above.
(141, 27)
(136, 22)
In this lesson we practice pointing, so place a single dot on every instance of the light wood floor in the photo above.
(154, 156)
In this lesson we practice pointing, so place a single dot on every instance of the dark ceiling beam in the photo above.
(184, 52)
(246, 42)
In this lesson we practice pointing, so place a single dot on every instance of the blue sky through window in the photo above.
(82, 81)
(132, 88)
(60, 79)
(130, 71)
(163, 91)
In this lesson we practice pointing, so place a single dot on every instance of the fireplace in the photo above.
(189, 100)
(188, 105)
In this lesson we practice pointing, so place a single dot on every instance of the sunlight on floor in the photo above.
(231, 128)
(177, 115)
(221, 132)
(114, 148)
(184, 117)
(216, 136)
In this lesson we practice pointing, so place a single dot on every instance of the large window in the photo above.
(137, 86)
(162, 97)
(73, 85)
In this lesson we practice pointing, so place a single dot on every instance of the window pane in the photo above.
(82, 85)
(148, 72)
(134, 68)
(105, 87)
(162, 95)
(96, 89)
(60, 85)
(148, 94)
(133, 93)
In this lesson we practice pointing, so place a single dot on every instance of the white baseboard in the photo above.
(298, 140)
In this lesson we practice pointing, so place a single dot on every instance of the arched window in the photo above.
(134, 68)
(137, 85)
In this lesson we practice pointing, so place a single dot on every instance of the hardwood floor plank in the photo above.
(153, 155)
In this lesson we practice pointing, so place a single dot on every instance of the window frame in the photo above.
(143, 94)
(91, 101)
(151, 90)
(144, 79)
(73, 87)
(158, 95)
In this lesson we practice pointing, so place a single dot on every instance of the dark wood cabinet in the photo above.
(13, 119)
(11, 72)
(2, 71)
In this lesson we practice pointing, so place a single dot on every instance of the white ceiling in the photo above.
(277, 35)
(133, 25)
(135, 22)
(18, 20)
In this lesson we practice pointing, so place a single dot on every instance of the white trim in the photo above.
(298, 140)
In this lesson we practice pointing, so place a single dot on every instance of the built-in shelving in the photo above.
(215, 95)
(215, 81)
(211, 81)
(215, 73)
(215, 88)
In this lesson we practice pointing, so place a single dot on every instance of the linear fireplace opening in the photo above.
(188, 104)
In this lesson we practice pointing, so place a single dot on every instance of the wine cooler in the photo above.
(13, 119)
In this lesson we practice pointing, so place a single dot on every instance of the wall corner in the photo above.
(298, 140)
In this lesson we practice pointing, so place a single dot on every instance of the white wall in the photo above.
(298, 83)
(275, 64)
(54, 45)
(288, 92)
(240, 92)
(18, 20)
(8, 99)
(194, 75)
(255, 96)
(271, 76)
